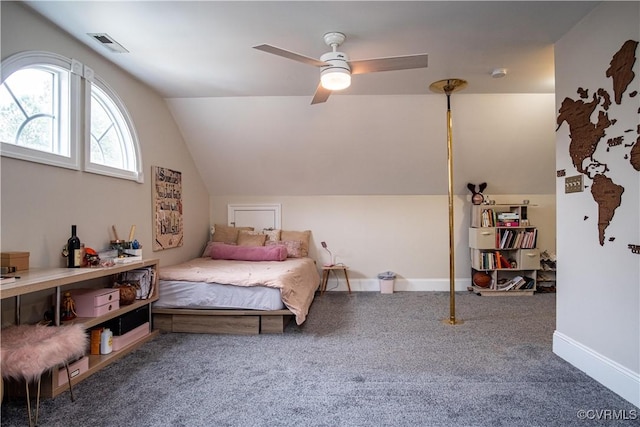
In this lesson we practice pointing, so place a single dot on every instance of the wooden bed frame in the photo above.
(203, 321)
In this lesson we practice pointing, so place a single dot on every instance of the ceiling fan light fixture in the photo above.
(335, 78)
(336, 68)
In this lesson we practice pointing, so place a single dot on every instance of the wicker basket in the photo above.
(127, 293)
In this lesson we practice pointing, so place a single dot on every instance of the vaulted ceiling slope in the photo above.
(204, 48)
(245, 114)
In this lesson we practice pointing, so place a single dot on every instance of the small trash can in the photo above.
(387, 281)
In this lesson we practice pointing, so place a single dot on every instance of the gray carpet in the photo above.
(364, 359)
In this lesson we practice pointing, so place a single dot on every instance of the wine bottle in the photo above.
(75, 250)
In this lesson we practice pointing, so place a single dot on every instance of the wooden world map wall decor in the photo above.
(586, 136)
(168, 227)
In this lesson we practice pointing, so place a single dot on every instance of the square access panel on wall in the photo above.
(258, 216)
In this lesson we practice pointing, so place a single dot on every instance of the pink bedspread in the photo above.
(297, 278)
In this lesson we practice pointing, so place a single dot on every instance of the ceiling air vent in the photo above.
(108, 42)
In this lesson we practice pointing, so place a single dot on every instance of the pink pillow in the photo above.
(207, 249)
(295, 248)
(248, 253)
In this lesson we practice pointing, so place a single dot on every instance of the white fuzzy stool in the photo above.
(28, 351)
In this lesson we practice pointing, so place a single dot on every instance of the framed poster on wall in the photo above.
(168, 227)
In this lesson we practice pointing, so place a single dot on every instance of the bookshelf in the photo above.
(58, 279)
(503, 250)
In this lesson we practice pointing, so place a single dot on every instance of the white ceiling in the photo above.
(204, 48)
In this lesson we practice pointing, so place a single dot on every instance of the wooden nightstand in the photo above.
(326, 269)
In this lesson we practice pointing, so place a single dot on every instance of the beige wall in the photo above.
(405, 234)
(598, 299)
(40, 202)
(370, 145)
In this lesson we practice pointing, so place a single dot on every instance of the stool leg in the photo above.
(28, 404)
(33, 418)
(66, 365)
(325, 279)
(38, 400)
(346, 276)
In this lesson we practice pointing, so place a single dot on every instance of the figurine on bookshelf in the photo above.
(91, 257)
(68, 307)
(477, 198)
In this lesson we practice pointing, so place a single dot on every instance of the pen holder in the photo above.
(120, 246)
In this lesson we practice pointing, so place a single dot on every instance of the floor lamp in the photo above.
(448, 86)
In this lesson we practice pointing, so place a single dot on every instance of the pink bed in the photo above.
(246, 281)
(296, 278)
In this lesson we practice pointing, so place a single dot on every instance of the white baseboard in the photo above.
(400, 285)
(607, 372)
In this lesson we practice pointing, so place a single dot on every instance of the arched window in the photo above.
(39, 109)
(42, 113)
(113, 146)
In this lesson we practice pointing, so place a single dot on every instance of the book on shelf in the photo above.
(503, 238)
(504, 263)
(488, 261)
(531, 283)
(7, 279)
(487, 218)
(515, 283)
(529, 239)
(511, 239)
(511, 223)
(518, 241)
(526, 284)
(508, 216)
(508, 219)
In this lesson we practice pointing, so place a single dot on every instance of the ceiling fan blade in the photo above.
(290, 55)
(389, 64)
(321, 95)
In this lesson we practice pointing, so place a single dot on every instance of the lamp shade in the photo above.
(335, 78)
(337, 74)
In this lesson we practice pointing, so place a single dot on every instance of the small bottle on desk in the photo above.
(106, 341)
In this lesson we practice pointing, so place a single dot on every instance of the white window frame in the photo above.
(80, 77)
(125, 118)
(267, 214)
(35, 58)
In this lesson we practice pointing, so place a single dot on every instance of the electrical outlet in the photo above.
(573, 184)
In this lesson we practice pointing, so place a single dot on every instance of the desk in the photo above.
(326, 269)
(41, 279)
(36, 280)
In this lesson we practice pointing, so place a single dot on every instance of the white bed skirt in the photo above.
(179, 294)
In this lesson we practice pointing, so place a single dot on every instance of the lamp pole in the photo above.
(448, 86)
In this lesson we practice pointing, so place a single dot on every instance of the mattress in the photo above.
(296, 279)
(194, 295)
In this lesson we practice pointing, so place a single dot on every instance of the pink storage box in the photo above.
(96, 302)
(75, 369)
(120, 342)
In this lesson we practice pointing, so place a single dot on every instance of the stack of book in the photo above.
(508, 219)
(518, 282)
(529, 239)
(487, 218)
(513, 239)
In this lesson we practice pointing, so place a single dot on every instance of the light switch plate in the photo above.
(573, 184)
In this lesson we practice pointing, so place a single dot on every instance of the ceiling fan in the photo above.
(336, 68)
